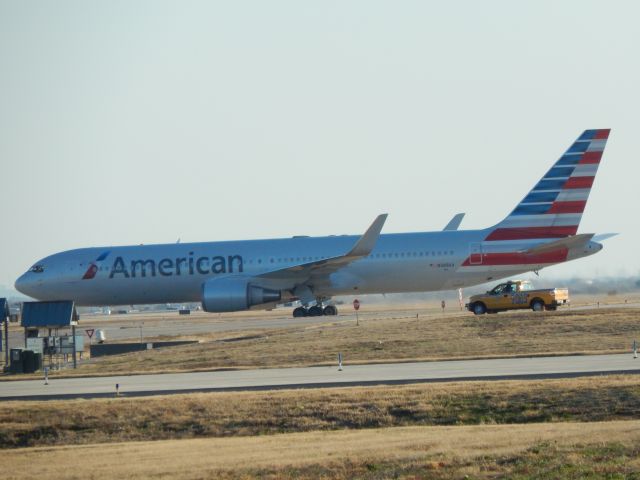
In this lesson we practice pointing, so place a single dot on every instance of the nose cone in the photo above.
(26, 284)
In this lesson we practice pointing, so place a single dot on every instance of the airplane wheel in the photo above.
(300, 312)
(479, 308)
(537, 306)
(330, 310)
(315, 311)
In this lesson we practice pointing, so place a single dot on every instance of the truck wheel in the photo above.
(537, 305)
(479, 308)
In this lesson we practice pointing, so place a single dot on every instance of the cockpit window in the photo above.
(37, 269)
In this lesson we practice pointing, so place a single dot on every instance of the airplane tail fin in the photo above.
(554, 207)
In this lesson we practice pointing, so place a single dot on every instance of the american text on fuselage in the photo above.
(168, 267)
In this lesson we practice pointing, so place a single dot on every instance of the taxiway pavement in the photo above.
(322, 377)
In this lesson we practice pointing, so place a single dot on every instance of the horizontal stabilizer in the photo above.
(454, 223)
(604, 236)
(568, 242)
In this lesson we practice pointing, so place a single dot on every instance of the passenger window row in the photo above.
(388, 255)
(434, 253)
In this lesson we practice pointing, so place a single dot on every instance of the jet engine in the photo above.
(232, 294)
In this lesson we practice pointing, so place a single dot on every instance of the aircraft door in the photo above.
(475, 253)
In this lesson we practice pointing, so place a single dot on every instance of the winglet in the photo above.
(367, 242)
(454, 223)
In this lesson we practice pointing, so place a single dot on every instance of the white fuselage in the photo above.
(173, 273)
(231, 276)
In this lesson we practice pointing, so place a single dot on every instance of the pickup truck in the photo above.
(517, 294)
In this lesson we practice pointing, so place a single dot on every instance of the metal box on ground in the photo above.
(35, 344)
(66, 344)
(39, 360)
(16, 365)
(28, 361)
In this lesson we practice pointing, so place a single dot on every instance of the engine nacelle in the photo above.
(232, 294)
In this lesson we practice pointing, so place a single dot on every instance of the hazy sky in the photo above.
(144, 121)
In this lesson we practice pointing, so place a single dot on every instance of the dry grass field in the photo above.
(62, 422)
(387, 333)
(560, 450)
(393, 336)
(570, 428)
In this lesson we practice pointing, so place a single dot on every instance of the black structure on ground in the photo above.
(4, 319)
(102, 349)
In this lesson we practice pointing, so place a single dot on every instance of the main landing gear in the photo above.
(315, 311)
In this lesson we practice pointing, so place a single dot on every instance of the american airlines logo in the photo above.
(167, 267)
(93, 267)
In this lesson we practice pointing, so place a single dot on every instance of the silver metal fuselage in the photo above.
(175, 273)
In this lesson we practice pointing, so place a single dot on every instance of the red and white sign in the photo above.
(90, 332)
(356, 304)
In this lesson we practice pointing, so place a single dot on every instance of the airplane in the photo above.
(259, 274)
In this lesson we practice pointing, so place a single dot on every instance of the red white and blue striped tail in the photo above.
(553, 209)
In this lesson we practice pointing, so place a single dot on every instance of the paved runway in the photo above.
(316, 377)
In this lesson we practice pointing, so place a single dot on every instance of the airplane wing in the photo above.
(454, 223)
(303, 272)
(568, 242)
